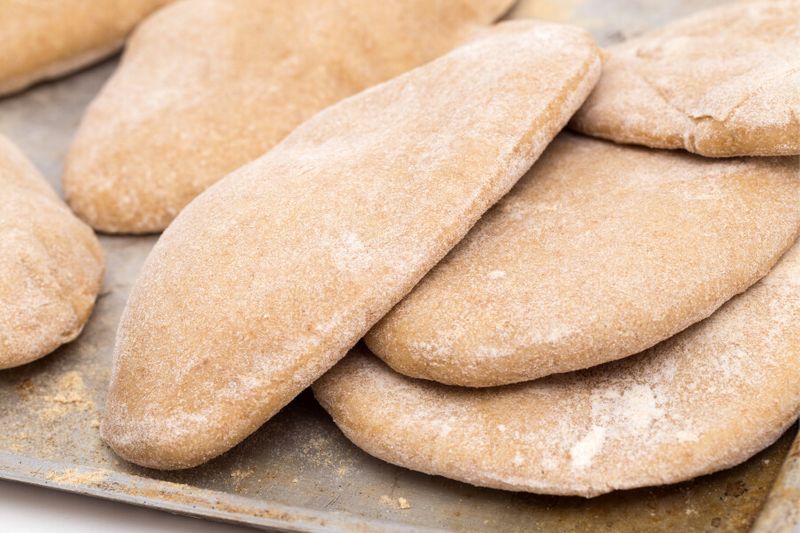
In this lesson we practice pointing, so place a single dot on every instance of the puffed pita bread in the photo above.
(268, 278)
(598, 253)
(51, 265)
(45, 39)
(723, 82)
(206, 86)
(702, 401)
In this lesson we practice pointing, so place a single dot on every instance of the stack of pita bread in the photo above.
(547, 311)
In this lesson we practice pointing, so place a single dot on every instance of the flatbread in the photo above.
(51, 265)
(702, 401)
(272, 275)
(724, 82)
(206, 86)
(45, 39)
(598, 253)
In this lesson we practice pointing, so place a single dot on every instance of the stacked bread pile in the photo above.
(553, 312)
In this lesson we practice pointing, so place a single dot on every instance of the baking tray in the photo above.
(298, 472)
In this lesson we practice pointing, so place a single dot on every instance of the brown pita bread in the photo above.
(208, 85)
(51, 265)
(704, 400)
(46, 39)
(598, 253)
(268, 278)
(723, 82)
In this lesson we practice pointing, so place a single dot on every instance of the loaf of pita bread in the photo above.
(267, 279)
(599, 252)
(51, 265)
(45, 39)
(704, 400)
(206, 86)
(723, 82)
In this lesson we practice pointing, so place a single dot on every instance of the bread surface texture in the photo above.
(45, 39)
(599, 252)
(723, 82)
(51, 265)
(704, 400)
(206, 86)
(269, 277)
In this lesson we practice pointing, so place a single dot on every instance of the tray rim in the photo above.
(204, 504)
(224, 507)
(781, 510)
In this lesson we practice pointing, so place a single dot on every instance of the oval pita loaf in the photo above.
(702, 401)
(206, 86)
(45, 39)
(268, 278)
(723, 82)
(598, 253)
(51, 265)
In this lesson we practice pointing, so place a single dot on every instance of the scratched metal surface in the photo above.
(781, 514)
(298, 472)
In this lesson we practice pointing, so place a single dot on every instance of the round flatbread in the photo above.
(599, 252)
(704, 400)
(723, 82)
(51, 265)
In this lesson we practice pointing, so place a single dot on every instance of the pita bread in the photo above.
(724, 82)
(704, 400)
(206, 86)
(45, 39)
(598, 253)
(51, 265)
(268, 278)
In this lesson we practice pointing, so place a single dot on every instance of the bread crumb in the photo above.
(73, 477)
(25, 388)
(400, 503)
(70, 395)
(240, 475)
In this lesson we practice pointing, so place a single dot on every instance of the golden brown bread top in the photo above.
(599, 252)
(51, 265)
(704, 400)
(206, 86)
(269, 277)
(723, 82)
(45, 38)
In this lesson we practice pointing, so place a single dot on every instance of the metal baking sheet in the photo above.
(298, 472)
(782, 511)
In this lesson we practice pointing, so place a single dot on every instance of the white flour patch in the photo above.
(686, 435)
(639, 407)
(584, 451)
(349, 255)
(491, 352)
(518, 459)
